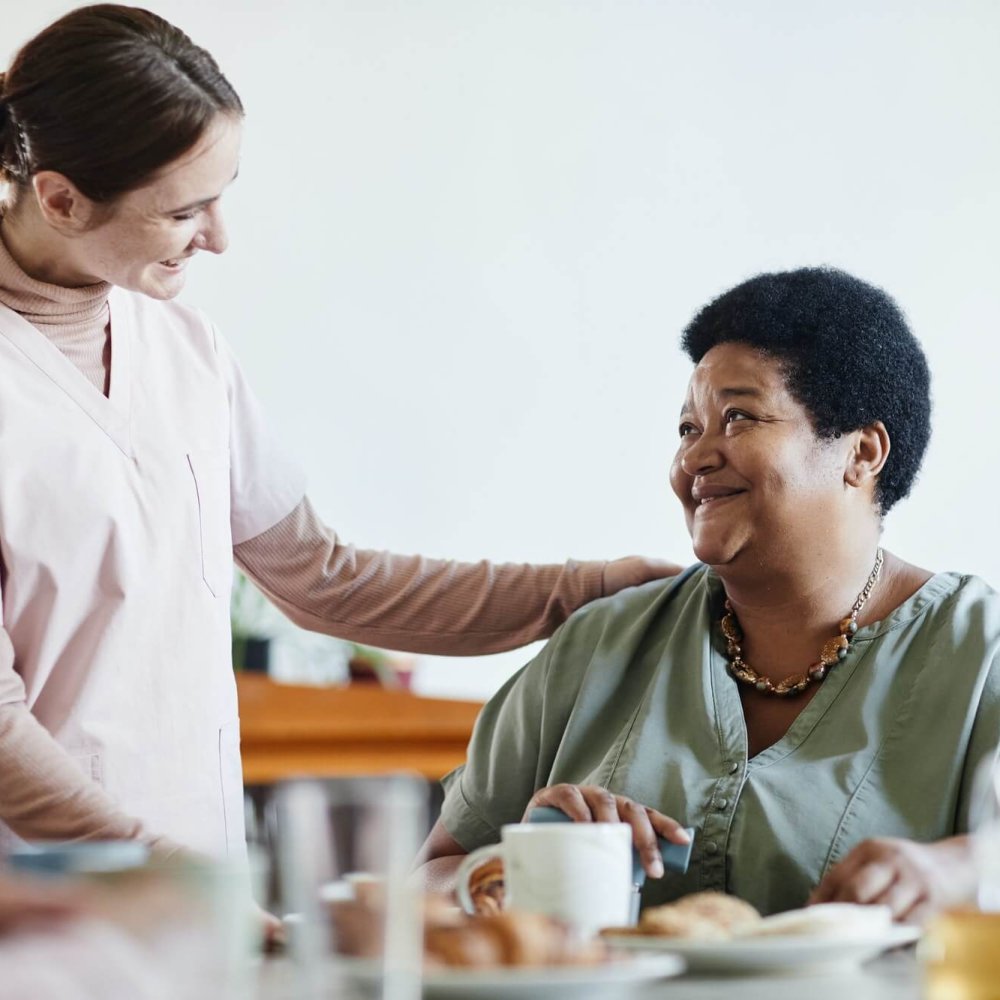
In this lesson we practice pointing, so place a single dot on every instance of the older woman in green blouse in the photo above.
(812, 705)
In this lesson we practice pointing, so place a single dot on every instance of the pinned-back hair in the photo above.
(107, 95)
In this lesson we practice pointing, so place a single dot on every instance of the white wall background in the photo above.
(466, 235)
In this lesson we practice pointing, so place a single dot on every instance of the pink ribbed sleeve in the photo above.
(408, 602)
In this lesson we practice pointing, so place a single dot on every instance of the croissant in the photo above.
(486, 887)
(523, 940)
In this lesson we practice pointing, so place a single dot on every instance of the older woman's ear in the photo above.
(868, 455)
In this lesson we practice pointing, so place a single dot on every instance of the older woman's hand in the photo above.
(913, 880)
(592, 804)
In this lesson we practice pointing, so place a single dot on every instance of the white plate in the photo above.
(800, 953)
(549, 983)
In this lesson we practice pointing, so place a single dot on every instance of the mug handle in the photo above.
(471, 862)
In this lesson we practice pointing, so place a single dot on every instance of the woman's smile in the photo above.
(708, 498)
(176, 263)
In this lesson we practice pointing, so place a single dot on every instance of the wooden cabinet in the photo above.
(290, 731)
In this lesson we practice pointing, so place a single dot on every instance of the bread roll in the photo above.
(702, 916)
(844, 920)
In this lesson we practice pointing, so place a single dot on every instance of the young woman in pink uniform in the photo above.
(135, 464)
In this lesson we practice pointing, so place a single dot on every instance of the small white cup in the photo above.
(580, 873)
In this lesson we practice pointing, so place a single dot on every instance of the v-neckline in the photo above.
(729, 713)
(112, 413)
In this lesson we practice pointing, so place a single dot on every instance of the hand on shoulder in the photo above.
(631, 571)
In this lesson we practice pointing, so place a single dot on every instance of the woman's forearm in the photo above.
(43, 793)
(411, 603)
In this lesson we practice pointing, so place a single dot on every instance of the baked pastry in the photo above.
(721, 909)
(513, 939)
(829, 920)
(357, 929)
(465, 945)
(671, 921)
(454, 939)
(486, 887)
(702, 916)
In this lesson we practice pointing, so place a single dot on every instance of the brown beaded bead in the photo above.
(832, 649)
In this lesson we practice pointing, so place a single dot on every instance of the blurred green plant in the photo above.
(253, 619)
(256, 622)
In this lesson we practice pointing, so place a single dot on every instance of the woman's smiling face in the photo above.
(750, 472)
(152, 232)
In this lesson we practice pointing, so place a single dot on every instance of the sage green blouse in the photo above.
(632, 693)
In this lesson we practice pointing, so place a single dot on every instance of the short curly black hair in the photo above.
(848, 356)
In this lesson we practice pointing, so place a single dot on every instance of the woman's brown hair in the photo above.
(107, 95)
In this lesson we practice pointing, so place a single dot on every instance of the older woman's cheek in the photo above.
(680, 481)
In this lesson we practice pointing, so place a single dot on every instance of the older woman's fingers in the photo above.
(901, 897)
(867, 883)
(603, 804)
(567, 798)
(836, 885)
(643, 835)
(592, 803)
(920, 913)
(667, 827)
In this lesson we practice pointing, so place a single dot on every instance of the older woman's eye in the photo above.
(731, 416)
(686, 429)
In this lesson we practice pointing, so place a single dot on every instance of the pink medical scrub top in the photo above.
(118, 517)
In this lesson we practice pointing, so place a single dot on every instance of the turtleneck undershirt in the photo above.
(76, 320)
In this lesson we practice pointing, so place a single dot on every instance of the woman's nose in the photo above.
(213, 236)
(701, 456)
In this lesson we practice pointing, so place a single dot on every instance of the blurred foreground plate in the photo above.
(798, 953)
(559, 981)
(83, 857)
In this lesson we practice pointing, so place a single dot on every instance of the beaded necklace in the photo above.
(834, 650)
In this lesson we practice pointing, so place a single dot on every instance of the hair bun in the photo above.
(5, 172)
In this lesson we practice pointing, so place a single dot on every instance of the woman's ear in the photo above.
(63, 206)
(868, 455)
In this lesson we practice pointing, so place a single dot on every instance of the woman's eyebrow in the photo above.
(204, 201)
(740, 391)
(730, 392)
(193, 205)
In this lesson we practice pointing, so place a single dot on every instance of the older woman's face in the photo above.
(750, 472)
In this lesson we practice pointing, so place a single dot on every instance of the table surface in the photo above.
(892, 977)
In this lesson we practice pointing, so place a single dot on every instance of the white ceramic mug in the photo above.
(580, 873)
